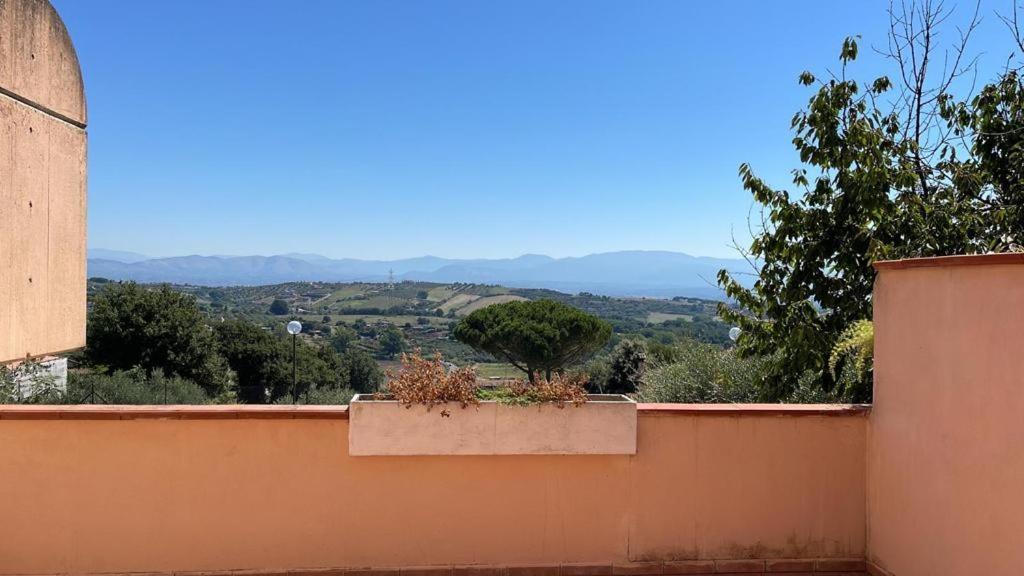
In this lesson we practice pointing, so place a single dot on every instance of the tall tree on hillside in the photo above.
(391, 342)
(132, 326)
(364, 374)
(262, 362)
(541, 336)
(279, 307)
(343, 337)
(259, 361)
(890, 171)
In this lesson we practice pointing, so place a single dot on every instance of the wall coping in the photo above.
(278, 412)
(169, 412)
(946, 261)
(757, 409)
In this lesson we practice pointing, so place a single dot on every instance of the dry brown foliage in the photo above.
(427, 381)
(561, 388)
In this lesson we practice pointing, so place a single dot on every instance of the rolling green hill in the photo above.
(425, 312)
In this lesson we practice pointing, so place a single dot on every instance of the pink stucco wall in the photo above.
(946, 433)
(232, 488)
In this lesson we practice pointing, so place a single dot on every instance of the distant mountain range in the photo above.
(627, 273)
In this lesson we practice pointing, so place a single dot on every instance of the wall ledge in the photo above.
(756, 409)
(1005, 258)
(171, 412)
(256, 412)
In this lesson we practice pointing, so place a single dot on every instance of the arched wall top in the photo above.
(38, 63)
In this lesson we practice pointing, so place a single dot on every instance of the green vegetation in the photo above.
(627, 366)
(279, 307)
(133, 386)
(889, 171)
(704, 373)
(540, 336)
(426, 324)
(29, 383)
(235, 350)
(155, 345)
(852, 359)
(154, 329)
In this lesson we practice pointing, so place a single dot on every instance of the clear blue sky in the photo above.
(384, 129)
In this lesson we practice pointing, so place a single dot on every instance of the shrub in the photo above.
(321, 397)
(597, 371)
(133, 387)
(704, 373)
(628, 363)
(429, 382)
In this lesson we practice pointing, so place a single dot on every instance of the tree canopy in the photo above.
(891, 170)
(279, 307)
(541, 336)
(131, 326)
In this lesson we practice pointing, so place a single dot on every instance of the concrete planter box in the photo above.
(606, 424)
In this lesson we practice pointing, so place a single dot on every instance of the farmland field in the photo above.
(660, 317)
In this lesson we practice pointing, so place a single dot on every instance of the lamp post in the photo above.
(294, 327)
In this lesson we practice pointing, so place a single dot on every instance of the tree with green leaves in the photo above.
(154, 328)
(258, 360)
(342, 338)
(890, 171)
(262, 362)
(363, 373)
(279, 307)
(391, 342)
(537, 337)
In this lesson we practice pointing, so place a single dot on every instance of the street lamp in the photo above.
(734, 333)
(294, 327)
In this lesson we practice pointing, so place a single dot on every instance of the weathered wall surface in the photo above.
(946, 449)
(228, 490)
(42, 184)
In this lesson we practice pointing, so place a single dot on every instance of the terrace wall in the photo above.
(945, 459)
(164, 489)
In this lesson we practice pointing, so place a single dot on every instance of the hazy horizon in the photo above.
(91, 249)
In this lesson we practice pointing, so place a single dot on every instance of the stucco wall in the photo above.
(42, 184)
(213, 491)
(946, 456)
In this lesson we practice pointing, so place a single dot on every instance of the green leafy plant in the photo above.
(884, 176)
(855, 351)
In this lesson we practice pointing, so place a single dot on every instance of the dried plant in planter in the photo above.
(558, 390)
(428, 381)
